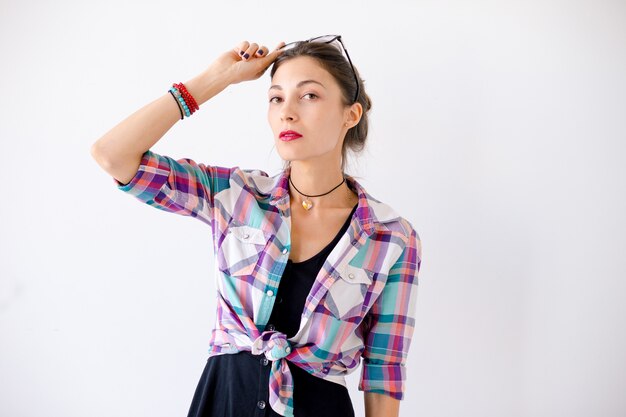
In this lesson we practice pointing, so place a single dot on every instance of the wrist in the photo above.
(207, 84)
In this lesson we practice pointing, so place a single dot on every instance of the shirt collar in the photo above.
(370, 211)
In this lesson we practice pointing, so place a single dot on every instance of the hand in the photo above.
(239, 68)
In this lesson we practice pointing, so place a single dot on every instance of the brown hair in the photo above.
(332, 60)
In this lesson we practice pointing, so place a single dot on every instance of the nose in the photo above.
(286, 111)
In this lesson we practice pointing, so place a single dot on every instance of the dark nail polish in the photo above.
(260, 52)
(246, 55)
(240, 52)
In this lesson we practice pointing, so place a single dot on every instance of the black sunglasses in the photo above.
(329, 39)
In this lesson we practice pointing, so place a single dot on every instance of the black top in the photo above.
(295, 285)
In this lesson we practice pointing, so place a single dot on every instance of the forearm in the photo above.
(128, 140)
(380, 405)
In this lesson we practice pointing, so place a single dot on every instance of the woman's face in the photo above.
(313, 109)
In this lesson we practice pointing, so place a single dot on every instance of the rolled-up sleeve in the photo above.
(179, 186)
(390, 325)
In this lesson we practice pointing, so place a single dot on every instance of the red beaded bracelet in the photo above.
(191, 102)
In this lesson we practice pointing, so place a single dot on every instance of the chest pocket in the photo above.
(346, 295)
(240, 250)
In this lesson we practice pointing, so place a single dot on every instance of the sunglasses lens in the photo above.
(325, 39)
(321, 39)
(329, 39)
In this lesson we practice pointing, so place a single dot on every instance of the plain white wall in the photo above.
(497, 129)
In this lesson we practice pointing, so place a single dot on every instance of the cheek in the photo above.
(271, 117)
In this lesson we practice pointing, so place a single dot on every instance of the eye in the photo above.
(307, 94)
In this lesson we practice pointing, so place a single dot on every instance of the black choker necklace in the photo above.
(306, 203)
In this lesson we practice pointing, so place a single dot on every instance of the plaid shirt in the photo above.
(363, 300)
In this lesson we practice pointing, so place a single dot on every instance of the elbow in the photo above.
(95, 153)
(98, 155)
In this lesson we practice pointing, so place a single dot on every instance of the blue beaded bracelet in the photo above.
(180, 108)
(176, 93)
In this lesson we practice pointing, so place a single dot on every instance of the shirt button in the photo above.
(264, 361)
(285, 250)
(287, 349)
(270, 293)
(261, 404)
(351, 276)
(245, 236)
(325, 370)
(270, 327)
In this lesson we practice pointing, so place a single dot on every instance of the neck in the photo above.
(316, 179)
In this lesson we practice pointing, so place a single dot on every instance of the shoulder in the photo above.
(256, 179)
(389, 221)
(253, 181)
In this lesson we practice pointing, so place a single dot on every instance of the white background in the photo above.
(497, 130)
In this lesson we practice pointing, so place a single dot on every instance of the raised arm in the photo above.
(119, 151)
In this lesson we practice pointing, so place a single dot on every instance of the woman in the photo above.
(313, 272)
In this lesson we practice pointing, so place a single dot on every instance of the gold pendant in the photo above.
(307, 204)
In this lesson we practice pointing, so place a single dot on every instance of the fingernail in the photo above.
(246, 55)
(240, 52)
(260, 52)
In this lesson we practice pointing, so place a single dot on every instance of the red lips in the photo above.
(289, 134)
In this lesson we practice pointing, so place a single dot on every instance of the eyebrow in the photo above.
(300, 84)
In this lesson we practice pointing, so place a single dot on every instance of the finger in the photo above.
(262, 51)
(241, 48)
(272, 55)
(250, 51)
